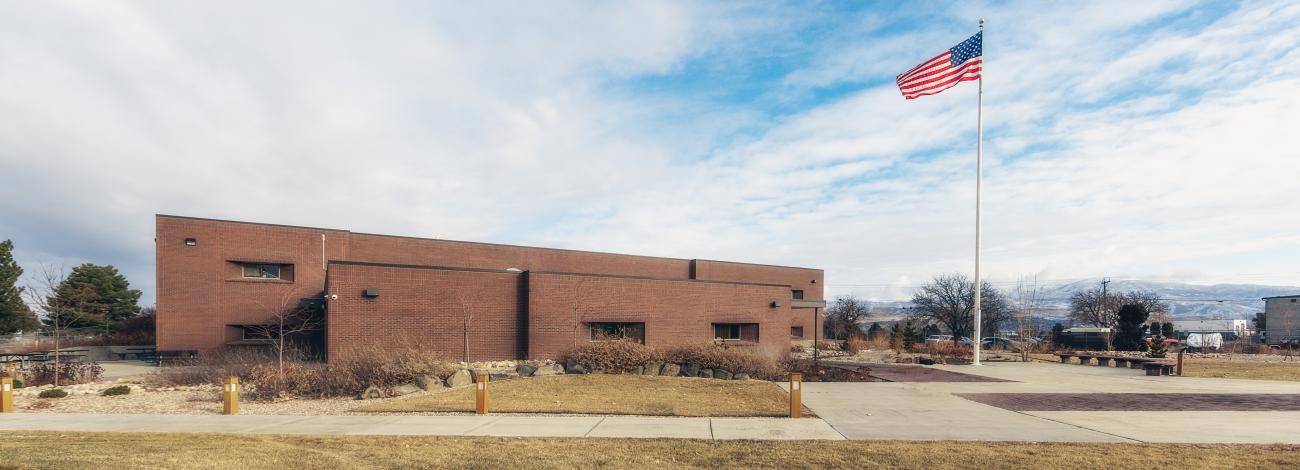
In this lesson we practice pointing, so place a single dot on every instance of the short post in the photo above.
(481, 394)
(7, 395)
(230, 396)
(796, 392)
(1180, 363)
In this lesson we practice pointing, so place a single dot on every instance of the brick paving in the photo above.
(896, 373)
(1138, 401)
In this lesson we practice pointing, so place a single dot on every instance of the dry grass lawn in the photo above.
(611, 394)
(249, 452)
(1226, 369)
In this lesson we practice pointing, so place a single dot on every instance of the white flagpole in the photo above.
(979, 175)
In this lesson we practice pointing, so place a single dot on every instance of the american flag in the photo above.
(961, 63)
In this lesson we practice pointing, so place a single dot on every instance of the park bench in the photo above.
(1158, 368)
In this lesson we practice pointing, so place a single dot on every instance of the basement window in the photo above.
(796, 332)
(262, 271)
(735, 331)
(613, 331)
(796, 294)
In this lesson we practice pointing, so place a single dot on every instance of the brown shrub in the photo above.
(854, 344)
(612, 356)
(734, 360)
(66, 372)
(354, 369)
(213, 366)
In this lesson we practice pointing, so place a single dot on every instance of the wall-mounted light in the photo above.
(191, 242)
(371, 293)
(814, 281)
(776, 304)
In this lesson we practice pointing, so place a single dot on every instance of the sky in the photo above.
(1147, 140)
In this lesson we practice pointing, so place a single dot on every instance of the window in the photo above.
(262, 271)
(796, 294)
(607, 331)
(736, 331)
(796, 331)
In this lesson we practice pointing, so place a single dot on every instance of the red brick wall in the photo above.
(428, 307)
(421, 251)
(811, 281)
(674, 311)
(200, 291)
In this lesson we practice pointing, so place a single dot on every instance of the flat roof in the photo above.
(1281, 297)
(505, 245)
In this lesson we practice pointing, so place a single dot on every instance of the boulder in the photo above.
(721, 374)
(671, 370)
(706, 373)
(571, 367)
(652, 368)
(742, 375)
(370, 393)
(498, 376)
(526, 370)
(637, 370)
(549, 369)
(405, 389)
(429, 382)
(460, 379)
(690, 369)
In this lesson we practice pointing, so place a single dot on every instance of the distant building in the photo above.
(1241, 328)
(1282, 316)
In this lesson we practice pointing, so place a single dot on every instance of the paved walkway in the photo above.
(499, 426)
(934, 411)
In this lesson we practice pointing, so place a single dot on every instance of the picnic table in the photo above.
(142, 353)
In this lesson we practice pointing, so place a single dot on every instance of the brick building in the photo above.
(219, 280)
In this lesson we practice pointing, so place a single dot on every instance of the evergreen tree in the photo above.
(909, 336)
(1058, 334)
(97, 296)
(874, 330)
(1167, 329)
(1131, 319)
(14, 313)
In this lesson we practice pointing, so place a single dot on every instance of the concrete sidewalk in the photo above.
(499, 426)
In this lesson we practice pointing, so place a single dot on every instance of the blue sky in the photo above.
(1146, 140)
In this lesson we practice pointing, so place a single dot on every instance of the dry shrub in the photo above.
(855, 344)
(213, 366)
(734, 360)
(878, 342)
(400, 362)
(612, 356)
(66, 372)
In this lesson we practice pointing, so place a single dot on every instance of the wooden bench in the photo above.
(1158, 368)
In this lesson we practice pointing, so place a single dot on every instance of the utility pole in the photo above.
(1101, 307)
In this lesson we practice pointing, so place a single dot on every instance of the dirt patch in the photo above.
(1138, 401)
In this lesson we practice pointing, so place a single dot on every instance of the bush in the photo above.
(18, 383)
(854, 344)
(613, 356)
(116, 390)
(53, 393)
(66, 372)
(734, 360)
(213, 366)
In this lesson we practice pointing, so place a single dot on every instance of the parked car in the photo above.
(965, 340)
(935, 339)
(996, 343)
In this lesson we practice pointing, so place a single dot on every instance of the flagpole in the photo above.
(979, 176)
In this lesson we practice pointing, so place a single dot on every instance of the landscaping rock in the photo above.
(652, 368)
(706, 373)
(637, 370)
(571, 367)
(690, 369)
(721, 374)
(496, 376)
(671, 370)
(740, 376)
(473, 373)
(460, 378)
(526, 370)
(429, 382)
(371, 392)
(549, 369)
(405, 389)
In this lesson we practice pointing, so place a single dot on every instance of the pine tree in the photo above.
(14, 313)
(874, 330)
(99, 296)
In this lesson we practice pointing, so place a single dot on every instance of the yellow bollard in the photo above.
(6, 395)
(481, 394)
(796, 392)
(230, 396)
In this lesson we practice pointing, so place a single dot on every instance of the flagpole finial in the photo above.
(981, 22)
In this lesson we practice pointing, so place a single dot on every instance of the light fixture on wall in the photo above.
(776, 304)
(191, 242)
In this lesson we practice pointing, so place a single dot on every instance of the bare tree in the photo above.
(57, 309)
(287, 319)
(1101, 309)
(845, 314)
(1027, 298)
(949, 300)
